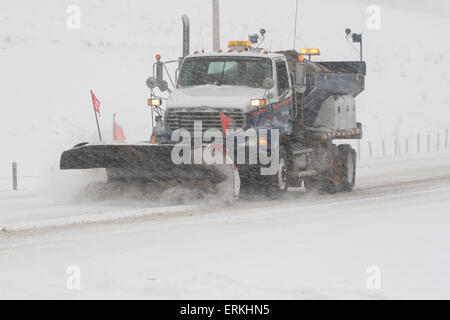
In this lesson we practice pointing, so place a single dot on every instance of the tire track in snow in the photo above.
(299, 200)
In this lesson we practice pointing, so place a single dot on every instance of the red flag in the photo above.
(118, 133)
(95, 102)
(225, 121)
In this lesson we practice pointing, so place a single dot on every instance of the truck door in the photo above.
(282, 107)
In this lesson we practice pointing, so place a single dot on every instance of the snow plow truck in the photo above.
(250, 108)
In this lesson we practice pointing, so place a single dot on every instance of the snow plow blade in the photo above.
(90, 156)
(146, 162)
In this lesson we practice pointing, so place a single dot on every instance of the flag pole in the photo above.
(96, 117)
(98, 127)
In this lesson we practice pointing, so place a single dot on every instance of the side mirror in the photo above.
(268, 83)
(163, 86)
(300, 78)
(151, 83)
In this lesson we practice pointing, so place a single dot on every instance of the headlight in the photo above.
(154, 102)
(258, 102)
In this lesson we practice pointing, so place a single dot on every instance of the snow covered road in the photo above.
(303, 246)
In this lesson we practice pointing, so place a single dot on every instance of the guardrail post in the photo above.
(428, 143)
(14, 176)
(370, 149)
(383, 147)
(396, 147)
(406, 146)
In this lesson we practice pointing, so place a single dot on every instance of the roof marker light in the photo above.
(239, 44)
(310, 52)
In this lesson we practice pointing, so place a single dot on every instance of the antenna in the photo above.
(295, 27)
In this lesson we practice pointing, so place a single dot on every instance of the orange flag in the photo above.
(95, 102)
(118, 134)
(225, 122)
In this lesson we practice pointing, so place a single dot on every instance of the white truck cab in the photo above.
(229, 79)
(247, 86)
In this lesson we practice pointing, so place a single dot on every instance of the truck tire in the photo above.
(278, 183)
(327, 182)
(347, 167)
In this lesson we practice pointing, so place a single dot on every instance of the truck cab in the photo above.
(254, 89)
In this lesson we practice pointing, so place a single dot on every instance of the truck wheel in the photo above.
(278, 183)
(347, 167)
(325, 182)
(282, 175)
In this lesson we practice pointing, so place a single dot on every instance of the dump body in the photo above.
(328, 100)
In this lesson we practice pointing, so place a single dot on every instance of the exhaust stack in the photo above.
(216, 25)
(186, 40)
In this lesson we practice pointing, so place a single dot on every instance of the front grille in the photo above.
(184, 119)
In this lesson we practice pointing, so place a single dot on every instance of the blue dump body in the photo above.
(325, 79)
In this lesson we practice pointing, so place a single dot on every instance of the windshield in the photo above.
(235, 71)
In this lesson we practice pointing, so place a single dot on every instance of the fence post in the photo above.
(406, 146)
(359, 150)
(446, 138)
(428, 143)
(14, 176)
(438, 138)
(395, 147)
(418, 143)
(370, 149)
(383, 147)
